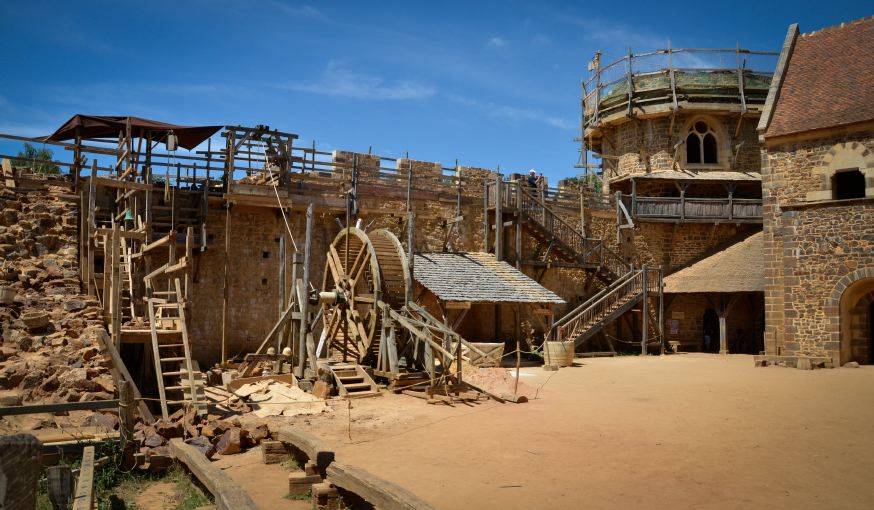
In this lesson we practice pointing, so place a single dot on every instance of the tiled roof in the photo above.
(478, 277)
(738, 268)
(828, 81)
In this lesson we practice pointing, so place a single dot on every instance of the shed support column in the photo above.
(645, 315)
(499, 219)
(723, 341)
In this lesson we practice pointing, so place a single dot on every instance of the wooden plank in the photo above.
(84, 499)
(59, 407)
(113, 183)
(310, 445)
(457, 305)
(119, 365)
(380, 493)
(227, 493)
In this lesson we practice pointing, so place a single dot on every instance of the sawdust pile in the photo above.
(498, 381)
(273, 398)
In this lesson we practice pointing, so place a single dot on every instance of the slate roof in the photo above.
(738, 268)
(478, 278)
(827, 82)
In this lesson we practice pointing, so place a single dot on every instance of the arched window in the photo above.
(701, 146)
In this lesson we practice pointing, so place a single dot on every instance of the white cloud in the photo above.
(341, 82)
(496, 42)
(513, 113)
(299, 10)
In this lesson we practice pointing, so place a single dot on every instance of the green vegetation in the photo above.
(300, 497)
(117, 489)
(38, 160)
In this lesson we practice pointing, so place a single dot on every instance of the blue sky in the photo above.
(488, 83)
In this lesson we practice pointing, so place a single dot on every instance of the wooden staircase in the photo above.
(174, 369)
(352, 380)
(606, 306)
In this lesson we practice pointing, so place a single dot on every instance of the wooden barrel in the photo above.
(559, 354)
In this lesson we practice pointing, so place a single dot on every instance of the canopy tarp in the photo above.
(99, 126)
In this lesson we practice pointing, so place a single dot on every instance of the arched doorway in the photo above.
(857, 322)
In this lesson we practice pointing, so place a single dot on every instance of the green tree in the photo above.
(38, 160)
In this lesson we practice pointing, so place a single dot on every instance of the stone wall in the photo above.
(811, 249)
(647, 145)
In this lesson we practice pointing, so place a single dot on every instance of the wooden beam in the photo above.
(119, 365)
(380, 493)
(314, 448)
(227, 493)
(84, 499)
(59, 407)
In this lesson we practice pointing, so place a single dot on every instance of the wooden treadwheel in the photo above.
(361, 270)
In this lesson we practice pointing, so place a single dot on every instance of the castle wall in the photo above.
(647, 145)
(814, 250)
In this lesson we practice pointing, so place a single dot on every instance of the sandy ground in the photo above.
(266, 484)
(683, 431)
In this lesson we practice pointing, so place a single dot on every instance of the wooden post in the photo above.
(126, 410)
(662, 342)
(225, 284)
(633, 198)
(295, 271)
(304, 302)
(84, 499)
(283, 303)
(486, 216)
(644, 333)
(499, 218)
(723, 341)
(411, 254)
(518, 349)
(518, 232)
(60, 486)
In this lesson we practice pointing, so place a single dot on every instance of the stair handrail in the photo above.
(630, 286)
(579, 308)
(584, 246)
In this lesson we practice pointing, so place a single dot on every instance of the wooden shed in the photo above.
(481, 298)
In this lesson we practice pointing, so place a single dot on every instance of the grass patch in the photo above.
(116, 489)
(300, 497)
(291, 462)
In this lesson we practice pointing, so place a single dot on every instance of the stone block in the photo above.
(299, 483)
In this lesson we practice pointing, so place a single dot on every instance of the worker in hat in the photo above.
(532, 179)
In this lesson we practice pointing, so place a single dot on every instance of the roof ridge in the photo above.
(834, 28)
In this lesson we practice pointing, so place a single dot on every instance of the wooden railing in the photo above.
(683, 208)
(533, 202)
(627, 288)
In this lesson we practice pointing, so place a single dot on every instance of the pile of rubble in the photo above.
(50, 343)
(210, 434)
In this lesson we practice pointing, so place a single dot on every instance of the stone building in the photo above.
(818, 189)
(676, 134)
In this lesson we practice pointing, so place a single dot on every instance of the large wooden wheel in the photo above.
(361, 270)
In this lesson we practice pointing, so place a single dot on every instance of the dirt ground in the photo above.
(266, 484)
(687, 431)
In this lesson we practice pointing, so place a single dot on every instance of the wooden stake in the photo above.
(225, 285)
(306, 350)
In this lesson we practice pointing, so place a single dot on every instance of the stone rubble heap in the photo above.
(50, 347)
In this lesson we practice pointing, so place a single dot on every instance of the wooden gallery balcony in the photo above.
(701, 210)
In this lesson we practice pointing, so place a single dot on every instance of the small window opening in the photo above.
(848, 184)
(263, 281)
(709, 148)
(701, 145)
(693, 149)
(265, 254)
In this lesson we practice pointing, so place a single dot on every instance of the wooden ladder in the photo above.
(352, 380)
(184, 368)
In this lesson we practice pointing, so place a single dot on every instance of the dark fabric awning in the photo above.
(97, 126)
